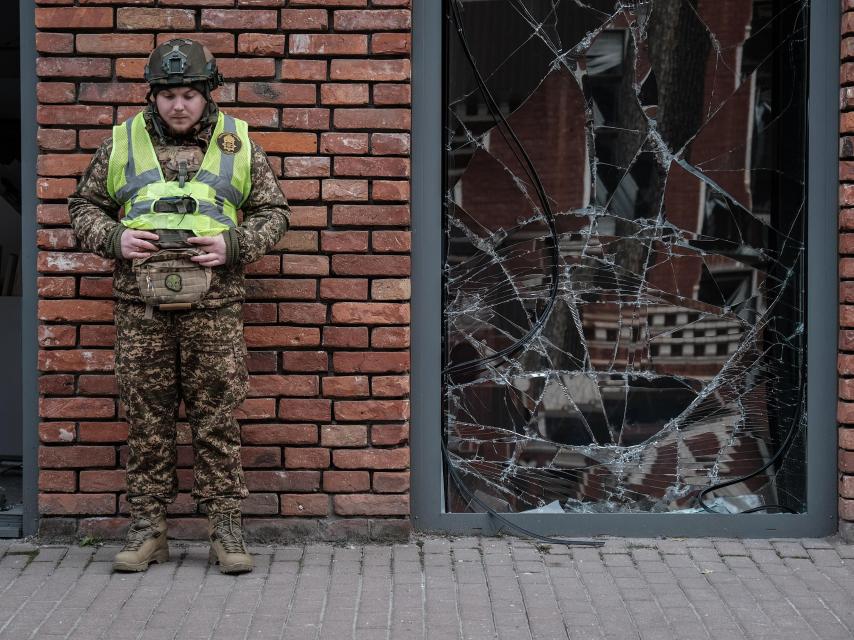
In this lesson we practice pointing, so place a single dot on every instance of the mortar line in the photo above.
(522, 592)
(258, 599)
(175, 568)
(297, 580)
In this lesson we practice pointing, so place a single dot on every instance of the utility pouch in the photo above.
(168, 279)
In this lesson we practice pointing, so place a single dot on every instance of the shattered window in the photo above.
(624, 225)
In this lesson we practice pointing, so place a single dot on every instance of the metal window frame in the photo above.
(822, 277)
(29, 291)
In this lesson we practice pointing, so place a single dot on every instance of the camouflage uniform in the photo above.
(198, 355)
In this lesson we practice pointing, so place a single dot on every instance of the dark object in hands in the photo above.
(173, 238)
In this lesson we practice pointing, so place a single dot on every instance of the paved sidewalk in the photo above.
(440, 589)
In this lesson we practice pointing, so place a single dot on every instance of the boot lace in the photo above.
(140, 531)
(227, 530)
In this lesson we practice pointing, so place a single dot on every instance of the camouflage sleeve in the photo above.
(94, 214)
(266, 215)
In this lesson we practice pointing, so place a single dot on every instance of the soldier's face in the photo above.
(180, 107)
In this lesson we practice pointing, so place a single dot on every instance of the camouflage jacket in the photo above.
(266, 216)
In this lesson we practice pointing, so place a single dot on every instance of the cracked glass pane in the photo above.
(624, 216)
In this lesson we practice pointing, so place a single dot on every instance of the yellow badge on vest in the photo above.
(228, 143)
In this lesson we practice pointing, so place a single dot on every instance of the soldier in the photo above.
(178, 172)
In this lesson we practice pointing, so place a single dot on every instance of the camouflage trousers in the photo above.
(198, 356)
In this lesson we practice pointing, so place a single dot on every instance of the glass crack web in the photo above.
(624, 214)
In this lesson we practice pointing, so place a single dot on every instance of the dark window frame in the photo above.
(427, 497)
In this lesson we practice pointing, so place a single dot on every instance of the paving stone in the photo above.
(673, 546)
(287, 554)
(788, 549)
(815, 543)
(826, 557)
(50, 554)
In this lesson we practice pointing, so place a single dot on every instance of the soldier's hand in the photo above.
(135, 243)
(214, 248)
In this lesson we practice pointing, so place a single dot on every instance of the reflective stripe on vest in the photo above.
(144, 207)
(133, 182)
(220, 186)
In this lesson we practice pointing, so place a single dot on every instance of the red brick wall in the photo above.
(324, 84)
(846, 275)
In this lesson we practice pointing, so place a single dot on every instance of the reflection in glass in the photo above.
(623, 263)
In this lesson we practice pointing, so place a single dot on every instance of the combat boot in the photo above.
(146, 543)
(227, 547)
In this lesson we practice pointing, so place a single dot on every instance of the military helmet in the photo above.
(181, 62)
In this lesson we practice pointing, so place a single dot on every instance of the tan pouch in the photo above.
(169, 277)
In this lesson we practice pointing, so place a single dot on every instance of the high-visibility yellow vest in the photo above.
(211, 199)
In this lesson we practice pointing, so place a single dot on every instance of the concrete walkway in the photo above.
(437, 588)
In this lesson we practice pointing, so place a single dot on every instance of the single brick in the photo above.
(305, 19)
(73, 67)
(346, 481)
(338, 190)
(344, 435)
(259, 457)
(280, 434)
(370, 505)
(74, 18)
(371, 458)
(327, 44)
(56, 140)
(77, 503)
(141, 19)
(276, 481)
(305, 505)
(345, 386)
(301, 410)
(370, 70)
(371, 361)
(369, 312)
(372, 20)
(306, 458)
(103, 480)
(281, 336)
(394, 44)
(261, 44)
(363, 410)
(348, 337)
(370, 215)
(239, 19)
(62, 457)
(391, 482)
(344, 143)
(56, 92)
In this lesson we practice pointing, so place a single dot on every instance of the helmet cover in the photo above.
(181, 62)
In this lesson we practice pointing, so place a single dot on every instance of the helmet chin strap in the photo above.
(208, 111)
(155, 122)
